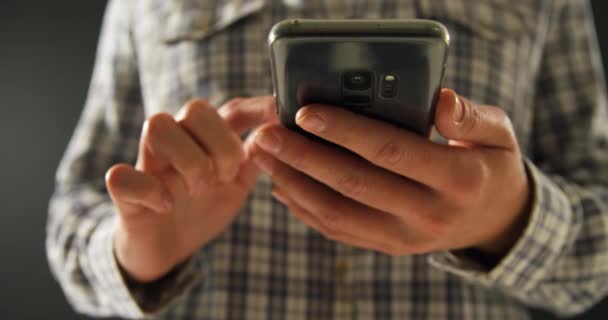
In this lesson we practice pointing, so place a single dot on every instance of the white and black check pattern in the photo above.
(539, 60)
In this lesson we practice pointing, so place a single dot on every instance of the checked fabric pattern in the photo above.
(539, 60)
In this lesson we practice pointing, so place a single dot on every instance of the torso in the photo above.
(269, 264)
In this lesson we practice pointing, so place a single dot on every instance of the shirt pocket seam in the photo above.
(195, 20)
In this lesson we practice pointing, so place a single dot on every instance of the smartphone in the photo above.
(389, 70)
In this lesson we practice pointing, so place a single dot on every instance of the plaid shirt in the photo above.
(539, 60)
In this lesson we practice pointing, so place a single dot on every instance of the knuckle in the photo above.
(329, 215)
(506, 122)
(501, 113)
(190, 171)
(205, 170)
(344, 138)
(435, 226)
(352, 185)
(233, 103)
(479, 183)
(196, 170)
(189, 116)
(466, 179)
(474, 118)
(348, 132)
(114, 175)
(507, 127)
(452, 179)
(197, 104)
(194, 111)
(149, 194)
(390, 152)
(229, 160)
(332, 219)
(297, 155)
(157, 125)
(298, 162)
(230, 109)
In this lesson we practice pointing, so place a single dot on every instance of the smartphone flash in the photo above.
(388, 87)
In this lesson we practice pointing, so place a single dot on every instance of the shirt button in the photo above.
(341, 269)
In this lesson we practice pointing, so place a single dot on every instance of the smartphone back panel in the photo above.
(392, 74)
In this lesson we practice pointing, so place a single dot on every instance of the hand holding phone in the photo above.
(395, 191)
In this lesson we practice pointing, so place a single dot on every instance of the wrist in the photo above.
(138, 260)
(493, 251)
(497, 247)
(152, 295)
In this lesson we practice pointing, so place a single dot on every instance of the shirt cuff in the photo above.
(536, 252)
(130, 300)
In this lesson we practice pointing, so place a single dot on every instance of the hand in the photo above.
(402, 194)
(192, 177)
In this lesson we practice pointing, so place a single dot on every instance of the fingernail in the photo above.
(262, 163)
(311, 122)
(458, 109)
(268, 141)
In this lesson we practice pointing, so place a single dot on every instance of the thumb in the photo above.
(243, 114)
(457, 118)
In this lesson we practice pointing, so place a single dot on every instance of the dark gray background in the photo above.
(46, 55)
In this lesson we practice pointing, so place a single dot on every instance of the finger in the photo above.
(349, 175)
(165, 143)
(245, 114)
(335, 211)
(458, 118)
(130, 188)
(212, 133)
(395, 149)
(327, 231)
(249, 171)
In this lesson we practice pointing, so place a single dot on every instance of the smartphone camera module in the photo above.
(357, 80)
(357, 88)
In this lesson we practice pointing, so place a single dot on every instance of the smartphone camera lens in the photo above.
(357, 80)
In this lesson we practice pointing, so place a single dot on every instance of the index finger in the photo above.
(243, 114)
(395, 149)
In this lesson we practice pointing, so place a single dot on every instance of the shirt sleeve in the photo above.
(81, 216)
(560, 262)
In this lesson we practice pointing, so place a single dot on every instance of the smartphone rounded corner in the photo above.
(437, 29)
(281, 29)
